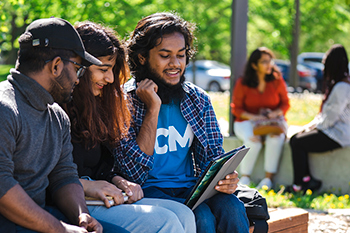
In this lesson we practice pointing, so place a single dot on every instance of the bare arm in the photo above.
(70, 200)
(147, 92)
(19, 208)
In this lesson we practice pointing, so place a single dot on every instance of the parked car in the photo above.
(210, 75)
(310, 57)
(313, 60)
(306, 75)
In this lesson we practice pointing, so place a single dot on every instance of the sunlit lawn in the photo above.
(304, 107)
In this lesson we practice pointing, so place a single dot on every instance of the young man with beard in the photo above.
(174, 122)
(35, 147)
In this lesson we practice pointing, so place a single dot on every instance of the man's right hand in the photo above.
(147, 92)
(92, 226)
(89, 223)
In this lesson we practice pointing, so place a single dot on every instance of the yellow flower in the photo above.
(346, 196)
(271, 192)
(308, 192)
(340, 205)
(299, 199)
(327, 199)
(312, 205)
(264, 187)
(340, 198)
(332, 206)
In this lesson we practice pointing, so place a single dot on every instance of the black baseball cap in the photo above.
(59, 34)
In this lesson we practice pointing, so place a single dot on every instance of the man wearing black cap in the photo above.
(35, 144)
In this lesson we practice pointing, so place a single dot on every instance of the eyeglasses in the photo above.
(80, 71)
(267, 62)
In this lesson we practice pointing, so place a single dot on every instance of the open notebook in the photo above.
(214, 172)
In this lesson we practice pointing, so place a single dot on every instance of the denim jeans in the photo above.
(222, 213)
(273, 148)
(147, 216)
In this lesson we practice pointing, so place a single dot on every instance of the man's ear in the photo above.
(56, 66)
(142, 59)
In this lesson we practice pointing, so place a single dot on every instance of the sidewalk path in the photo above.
(331, 221)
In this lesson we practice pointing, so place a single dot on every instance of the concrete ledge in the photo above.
(331, 167)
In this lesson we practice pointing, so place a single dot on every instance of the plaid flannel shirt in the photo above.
(197, 110)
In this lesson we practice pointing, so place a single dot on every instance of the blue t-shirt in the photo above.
(173, 165)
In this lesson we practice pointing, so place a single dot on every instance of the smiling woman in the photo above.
(102, 75)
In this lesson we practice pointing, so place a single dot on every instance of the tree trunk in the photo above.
(294, 77)
(239, 21)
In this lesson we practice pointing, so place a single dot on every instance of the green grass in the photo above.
(303, 107)
(317, 201)
(4, 71)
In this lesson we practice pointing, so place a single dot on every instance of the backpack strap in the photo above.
(260, 226)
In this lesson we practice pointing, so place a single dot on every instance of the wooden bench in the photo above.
(290, 220)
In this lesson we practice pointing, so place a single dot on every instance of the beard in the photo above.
(166, 91)
(58, 91)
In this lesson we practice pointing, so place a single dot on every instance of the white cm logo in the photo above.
(173, 137)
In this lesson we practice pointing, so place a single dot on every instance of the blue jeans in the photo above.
(221, 213)
(147, 216)
(107, 227)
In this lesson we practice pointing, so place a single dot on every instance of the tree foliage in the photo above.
(270, 22)
(323, 23)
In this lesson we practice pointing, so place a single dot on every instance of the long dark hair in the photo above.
(98, 119)
(250, 77)
(335, 68)
(151, 28)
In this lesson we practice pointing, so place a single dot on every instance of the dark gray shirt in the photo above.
(35, 145)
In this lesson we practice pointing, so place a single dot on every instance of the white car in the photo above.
(310, 57)
(313, 60)
(210, 75)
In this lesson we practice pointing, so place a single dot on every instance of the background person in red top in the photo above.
(261, 88)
